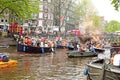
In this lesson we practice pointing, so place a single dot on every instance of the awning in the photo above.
(75, 32)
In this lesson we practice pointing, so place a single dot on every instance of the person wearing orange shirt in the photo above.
(116, 60)
(29, 42)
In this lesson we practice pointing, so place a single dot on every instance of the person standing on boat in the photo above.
(116, 60)
(29, 42)
(75, 45)
(42, 46)
(92, 49)
(53, 47)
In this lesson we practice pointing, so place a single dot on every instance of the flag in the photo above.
(62, 18)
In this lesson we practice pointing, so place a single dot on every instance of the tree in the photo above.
(112, 26)
(116, 4)
(87, 15)
(21, 8)
(59, 11)
(97, 22)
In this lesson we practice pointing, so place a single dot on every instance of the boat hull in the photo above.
(31, 49)
(81, 54)
(98, 50)
(11, 63)
(96, 69)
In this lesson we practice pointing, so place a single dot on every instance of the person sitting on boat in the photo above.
(99, 45)
(33, 42)
(112, 56)
(46, 45)
(25, 40)
(92, 49)
(59, 44)
(29, 42)
(64, 43)
(116, 60)
(78, 47)
(83, 48)
(75, 45)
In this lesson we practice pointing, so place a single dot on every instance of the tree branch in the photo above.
(1, 12)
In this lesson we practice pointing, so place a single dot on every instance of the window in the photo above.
(2, 20)
(6, 20)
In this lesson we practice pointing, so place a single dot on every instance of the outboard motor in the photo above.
(4, 57)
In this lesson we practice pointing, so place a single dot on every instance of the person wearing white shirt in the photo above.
(46, 45)
(42, 46)
(52, 47)
(116, 61)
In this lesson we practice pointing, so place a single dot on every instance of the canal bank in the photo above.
(7, 41)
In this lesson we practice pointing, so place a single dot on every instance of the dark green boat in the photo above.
(81, 54)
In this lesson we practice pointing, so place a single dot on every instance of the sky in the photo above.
(107, 10)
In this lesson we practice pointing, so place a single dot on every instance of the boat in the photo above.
(70, 48)
(9, 64)
(99, 69)
(32, 49)
(6, 62)
(75, 54)
(115, 48)
(99, 50)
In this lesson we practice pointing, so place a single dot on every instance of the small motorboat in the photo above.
(10, 63)
(6, 62)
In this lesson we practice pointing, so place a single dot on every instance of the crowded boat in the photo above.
(59, 42)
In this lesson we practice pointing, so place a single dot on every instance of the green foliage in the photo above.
(96, 22)
(84, 9)
(21, 8)
(112, 26)
(116, 4)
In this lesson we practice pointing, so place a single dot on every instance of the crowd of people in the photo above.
(59, 42)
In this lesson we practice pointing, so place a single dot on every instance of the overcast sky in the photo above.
(105, 9)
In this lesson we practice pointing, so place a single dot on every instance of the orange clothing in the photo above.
(29, 41)
(111, 59)
(64, 43)
(99, 46)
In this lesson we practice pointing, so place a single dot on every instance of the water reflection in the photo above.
(48, 66)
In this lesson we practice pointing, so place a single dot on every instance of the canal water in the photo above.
(49, 66)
